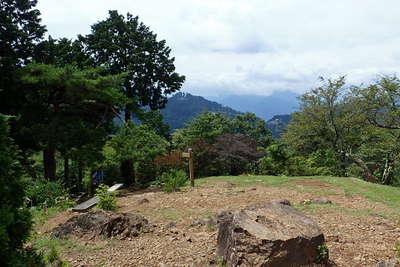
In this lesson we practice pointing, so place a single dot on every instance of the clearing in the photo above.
(361, 226)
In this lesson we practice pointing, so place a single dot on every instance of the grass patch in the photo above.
(251, 180)
(389, 195)
(318, 208)
(41, 215)
(46, 243)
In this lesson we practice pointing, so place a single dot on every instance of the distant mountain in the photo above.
(182, 107)
(264, 107)
(277, 125)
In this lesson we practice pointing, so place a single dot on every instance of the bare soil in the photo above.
(356, 232)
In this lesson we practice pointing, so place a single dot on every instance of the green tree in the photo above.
(248, 124)
(66, 108)
(379, 103)
(137, 144)
(61, 52)
(127, 45)
(328, 119)
(15, 221)
(206, 126)
(235, 153)
(19, 32)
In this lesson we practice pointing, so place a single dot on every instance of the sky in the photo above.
(255, 46)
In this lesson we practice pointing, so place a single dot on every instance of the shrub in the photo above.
(43, 193)
(169, 161)
(52, 258)
(15, 221)
(107, 200)
(323, 254)
(173, 180)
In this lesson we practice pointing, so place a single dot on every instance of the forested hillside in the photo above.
(278, 124)
(183, 107)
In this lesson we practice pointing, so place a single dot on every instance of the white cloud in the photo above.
(257, 46)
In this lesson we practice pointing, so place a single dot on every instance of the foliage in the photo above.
(380, 102)
(356, 126)
(44, 193)
(222, 145)
(139, 144)
(323, 254)
(168, 161)
(52, 258)
(173, 180)
(15, 221)
(275, 160)
(61, 53)
(248, 124)
(19, 32)
(278, 124)
(124, 44)
(206, 126)
(107, 200)
(66, 109)
(235, 153)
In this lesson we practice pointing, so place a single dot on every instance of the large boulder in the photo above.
(270, 234)
(103, 224)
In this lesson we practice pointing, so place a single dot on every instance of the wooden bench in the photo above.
(84, 206)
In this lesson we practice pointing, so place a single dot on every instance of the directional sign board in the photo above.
(186, 154)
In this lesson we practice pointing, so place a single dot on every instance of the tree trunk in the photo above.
(66, 170)
(386, 172)
(49, 161)
(128, 114)
(80, 174)
(367, 173)
(127, 172)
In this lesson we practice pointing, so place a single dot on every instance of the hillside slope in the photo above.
(182, 107)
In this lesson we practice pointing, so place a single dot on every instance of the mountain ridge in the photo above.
(182, 107)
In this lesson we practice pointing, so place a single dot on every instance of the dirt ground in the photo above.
(356, 232)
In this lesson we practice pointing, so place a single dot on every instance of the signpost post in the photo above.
(189, 155)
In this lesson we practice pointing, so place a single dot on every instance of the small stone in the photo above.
(170, 225)
(143, 201)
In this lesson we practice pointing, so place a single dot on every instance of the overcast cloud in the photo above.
(255, 46)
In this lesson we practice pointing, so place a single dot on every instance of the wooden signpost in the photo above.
(189, 155)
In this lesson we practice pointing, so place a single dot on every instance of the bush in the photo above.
(52, 258)
(169, 161)
(173, 180)
(107, 200)
(43, 193)
(15, 221)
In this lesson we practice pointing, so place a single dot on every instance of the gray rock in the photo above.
(270, 234)
(143, 201)
(388, 263)
(321, 201)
